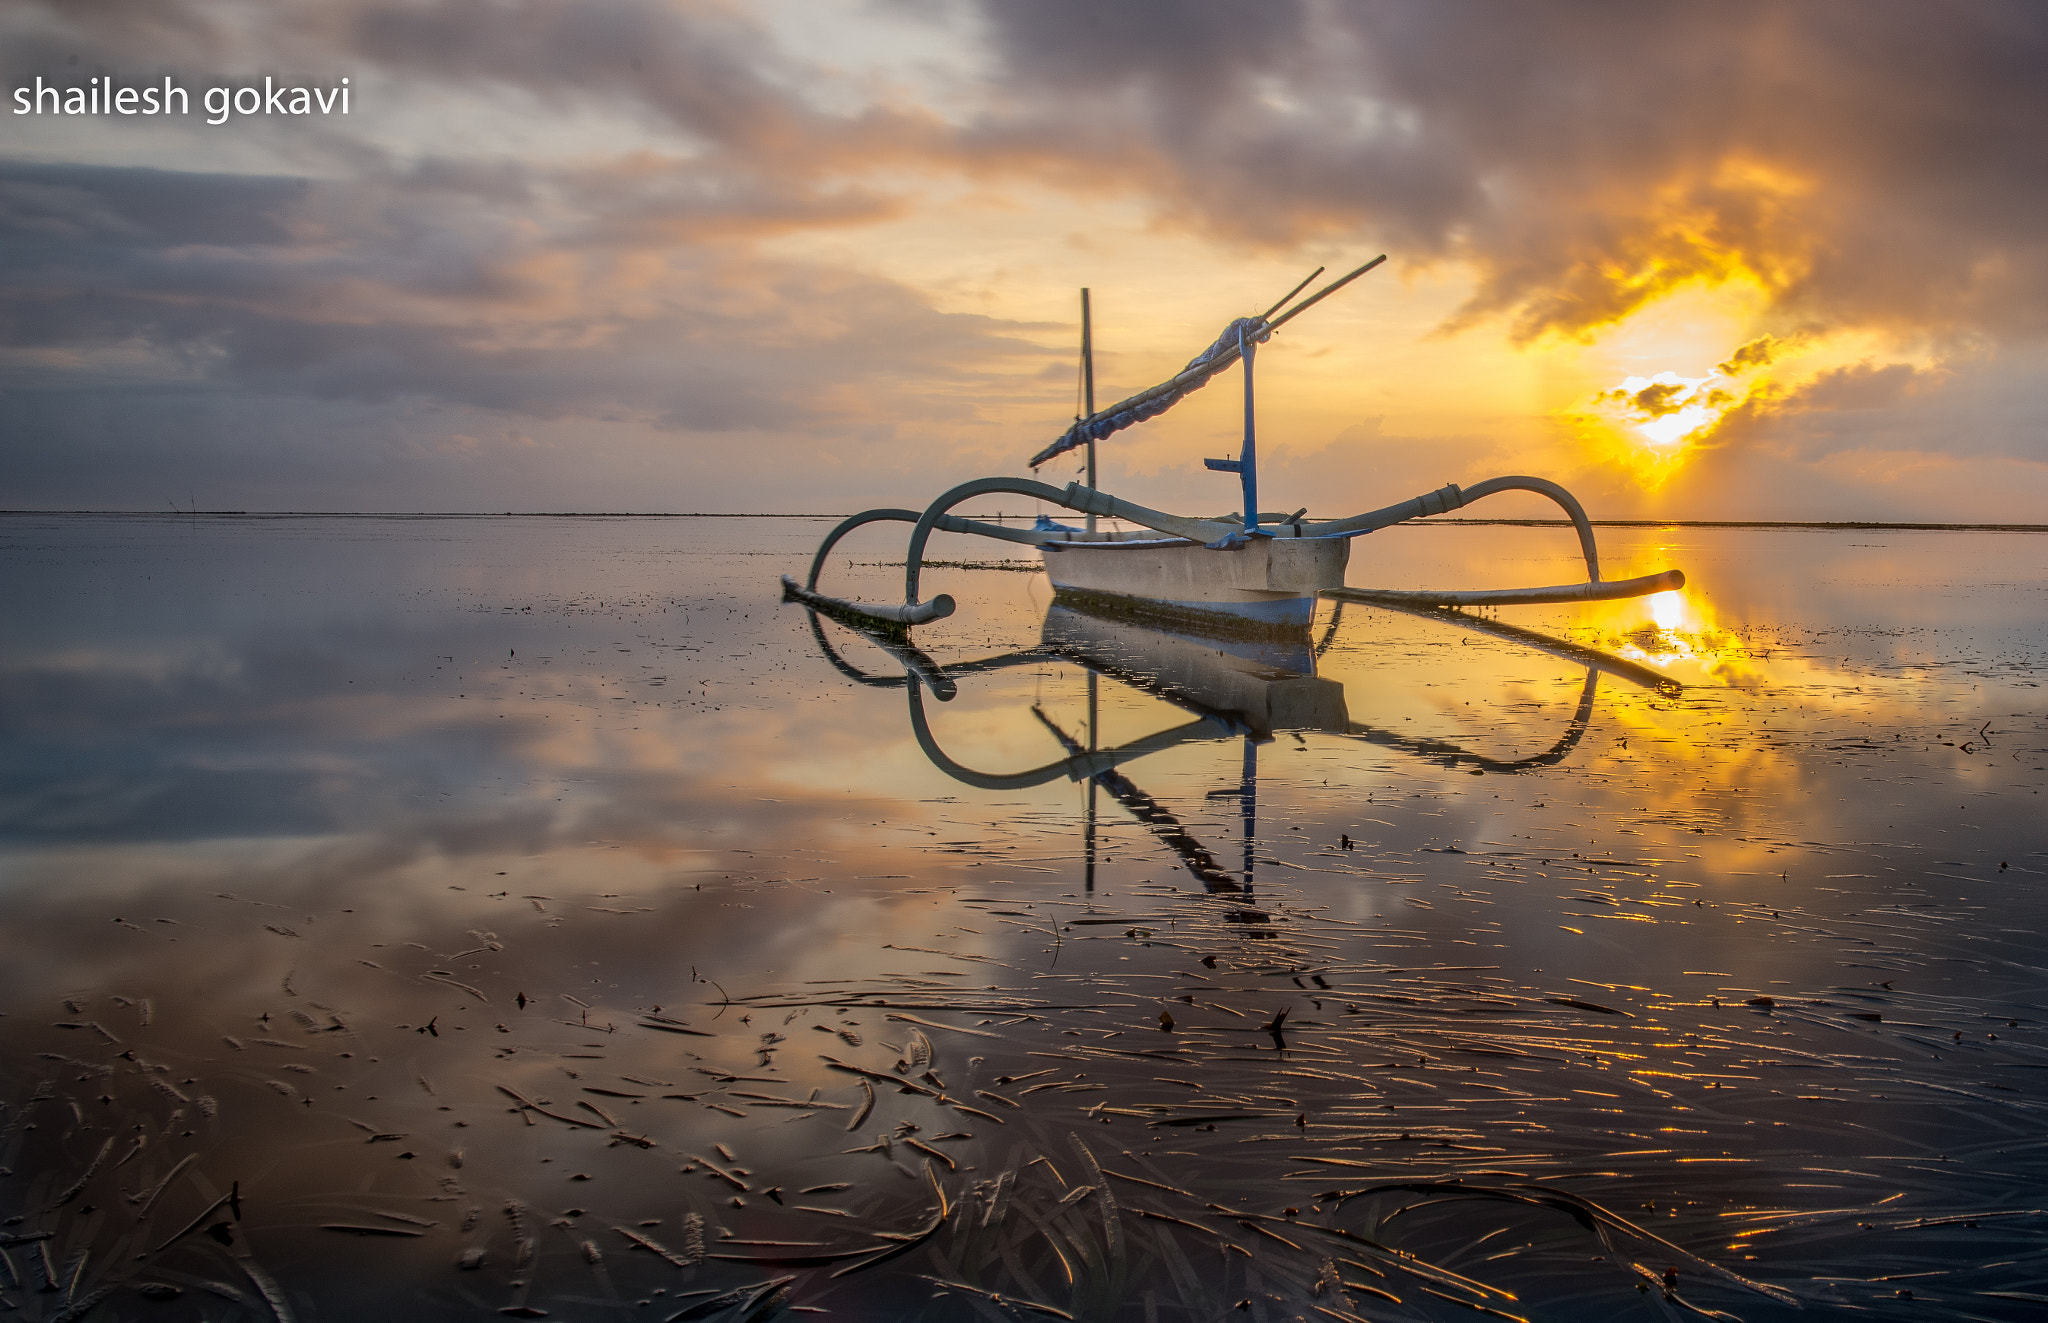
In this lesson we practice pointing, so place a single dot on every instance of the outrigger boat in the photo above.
(1250, 572)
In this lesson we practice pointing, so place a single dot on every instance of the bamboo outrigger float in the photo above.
(1253, 572)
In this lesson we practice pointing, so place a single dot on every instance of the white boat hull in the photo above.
(1267, 584)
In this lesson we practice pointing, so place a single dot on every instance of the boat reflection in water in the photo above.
(1234, 687)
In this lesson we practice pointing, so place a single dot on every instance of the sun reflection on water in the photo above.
(1434, 897)
(1681, 634)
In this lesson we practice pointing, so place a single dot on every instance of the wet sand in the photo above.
(468, 917)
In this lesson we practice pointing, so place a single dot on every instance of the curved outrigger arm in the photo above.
(1074, 496)
(913, 612)
(1452, 497)
(1089, 500)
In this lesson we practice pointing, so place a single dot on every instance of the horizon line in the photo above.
(1869, 525)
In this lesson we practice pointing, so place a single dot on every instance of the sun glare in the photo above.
(1667, 409)
(1651, 425)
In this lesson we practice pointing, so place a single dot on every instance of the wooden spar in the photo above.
(1267, 315)
(1321, 294)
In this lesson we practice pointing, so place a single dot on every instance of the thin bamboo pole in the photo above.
(1088, 386)
(1282, 301)
(1323, 293)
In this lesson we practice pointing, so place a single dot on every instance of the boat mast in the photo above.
(1248, 457)
(1088, 388)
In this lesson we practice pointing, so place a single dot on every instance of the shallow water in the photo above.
(385, 895)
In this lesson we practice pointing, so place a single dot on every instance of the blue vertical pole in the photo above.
(1248, 459)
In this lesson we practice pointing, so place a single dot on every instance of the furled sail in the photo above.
(1151, 403)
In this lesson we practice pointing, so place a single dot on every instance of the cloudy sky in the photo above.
(1697, 260)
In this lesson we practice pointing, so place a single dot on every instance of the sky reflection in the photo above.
(356, 855)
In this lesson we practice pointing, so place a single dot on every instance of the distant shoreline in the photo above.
(1843, 525)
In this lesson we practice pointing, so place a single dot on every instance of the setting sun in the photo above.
(1667, 408)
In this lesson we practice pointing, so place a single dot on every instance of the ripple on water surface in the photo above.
(537, 917)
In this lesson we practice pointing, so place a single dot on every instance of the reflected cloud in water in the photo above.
(506, 890)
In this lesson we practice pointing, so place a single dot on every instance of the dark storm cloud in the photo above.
(416, 285)
(1870, 162)
(1863, 386)
(1866, 160)
(622, 288)
(85, 251)
(1962, 411)
(81, 207)
(705, 70)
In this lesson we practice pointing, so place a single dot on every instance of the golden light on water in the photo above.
(1667, 609)
(1681, 632)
